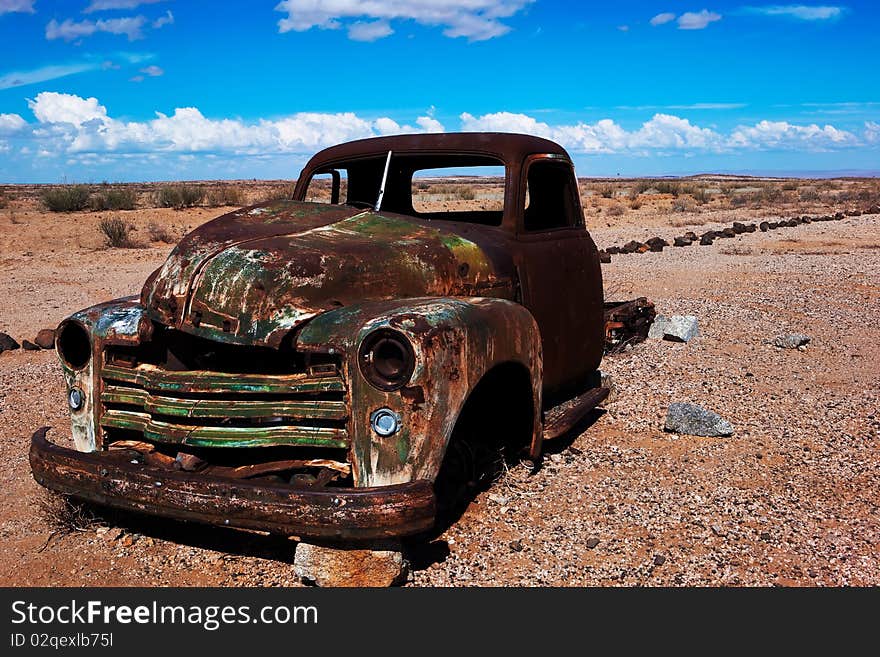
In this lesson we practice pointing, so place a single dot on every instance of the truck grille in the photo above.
(221, 409)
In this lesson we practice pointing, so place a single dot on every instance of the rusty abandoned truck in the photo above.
(306, 368)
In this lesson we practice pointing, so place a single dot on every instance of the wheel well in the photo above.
(500, 407)
(493, 428)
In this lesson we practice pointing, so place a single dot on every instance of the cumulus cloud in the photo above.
(363, 31)
(20, 6)
(476, 20)
(769, 135)
(104, 5)
(72, 126)
(80, 125)
(697, 20)
(662, 19)
(11, 123)
(802, 12)
(69, 30)
(153, 71)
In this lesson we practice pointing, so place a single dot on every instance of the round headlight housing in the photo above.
(74, 345)
(75, 399)
(386, 359)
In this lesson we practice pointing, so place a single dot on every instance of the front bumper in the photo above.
(109, 478)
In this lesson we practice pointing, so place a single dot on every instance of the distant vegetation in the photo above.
(69, 198)
(115, 199)
(180, 196)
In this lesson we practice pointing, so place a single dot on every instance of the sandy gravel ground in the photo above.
(790, 499)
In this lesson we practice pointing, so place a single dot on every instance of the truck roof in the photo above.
(507, 147)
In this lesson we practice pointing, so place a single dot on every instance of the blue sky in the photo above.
(94, 90)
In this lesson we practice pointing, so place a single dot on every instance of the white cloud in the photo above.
(44, 73)
(162, 21)
(476, 20)
(770, 135)
(69, 30)
(104, 5)
(79, 125)
(662, 19)
(697, 20)
(361, 31)
(21, 6)
(153, 71)
(802, 12)
(11, 123)
(72, 126)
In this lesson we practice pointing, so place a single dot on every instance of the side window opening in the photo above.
(327, 187)
(550, 197)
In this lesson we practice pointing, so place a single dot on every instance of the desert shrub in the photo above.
(68, 198)
(465, 193)
(64, 515)
(225, 195)
(115, 199)
(739, 200)
(789, 186)
(117, 233)
(808, 194)
(701, 196)
(606, 191)
(159, 233)
(668, 187)
(771, 194)
(635, 203)
(640, 187)
(279, 193)
(681, 205)
(179, 196)
(616, 210)
(4, 201)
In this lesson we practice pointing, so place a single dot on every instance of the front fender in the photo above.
(456, 342)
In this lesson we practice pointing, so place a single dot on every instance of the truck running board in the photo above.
(560, 419)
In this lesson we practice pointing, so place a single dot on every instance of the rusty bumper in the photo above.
(328, 513)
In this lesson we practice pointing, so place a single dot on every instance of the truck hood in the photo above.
(253, 275)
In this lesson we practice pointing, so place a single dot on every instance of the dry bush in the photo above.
(682, 205)
(701, 196)
(69, 198)
(179, 196)
(225, 195)
(790, 186)
(65, 516)
(770, 194)
(809, 194)
(465, 192)
(616, 210)
(159, 233)
(640, 188)
(4, 201)
(739, 200)
(606, 191)
(668, 187)
(115, 199)
(117, 233)
(13, 218)
(635, 203)
(278, 193)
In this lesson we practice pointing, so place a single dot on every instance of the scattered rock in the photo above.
(27, 345)
(693, 420)
(592, 542)
(691, 235)
(631, 247)
(677, 328)
(656, 244)
(516, 546)
(681, 241)
(45, 338)
(791, 340)
(728, 232)
(764, 226)
(706, 240)
(739, 227)
(344, 567)
(604, 257)
(7, 343)
(659, 560)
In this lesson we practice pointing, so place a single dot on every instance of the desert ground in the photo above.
(791, 498)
